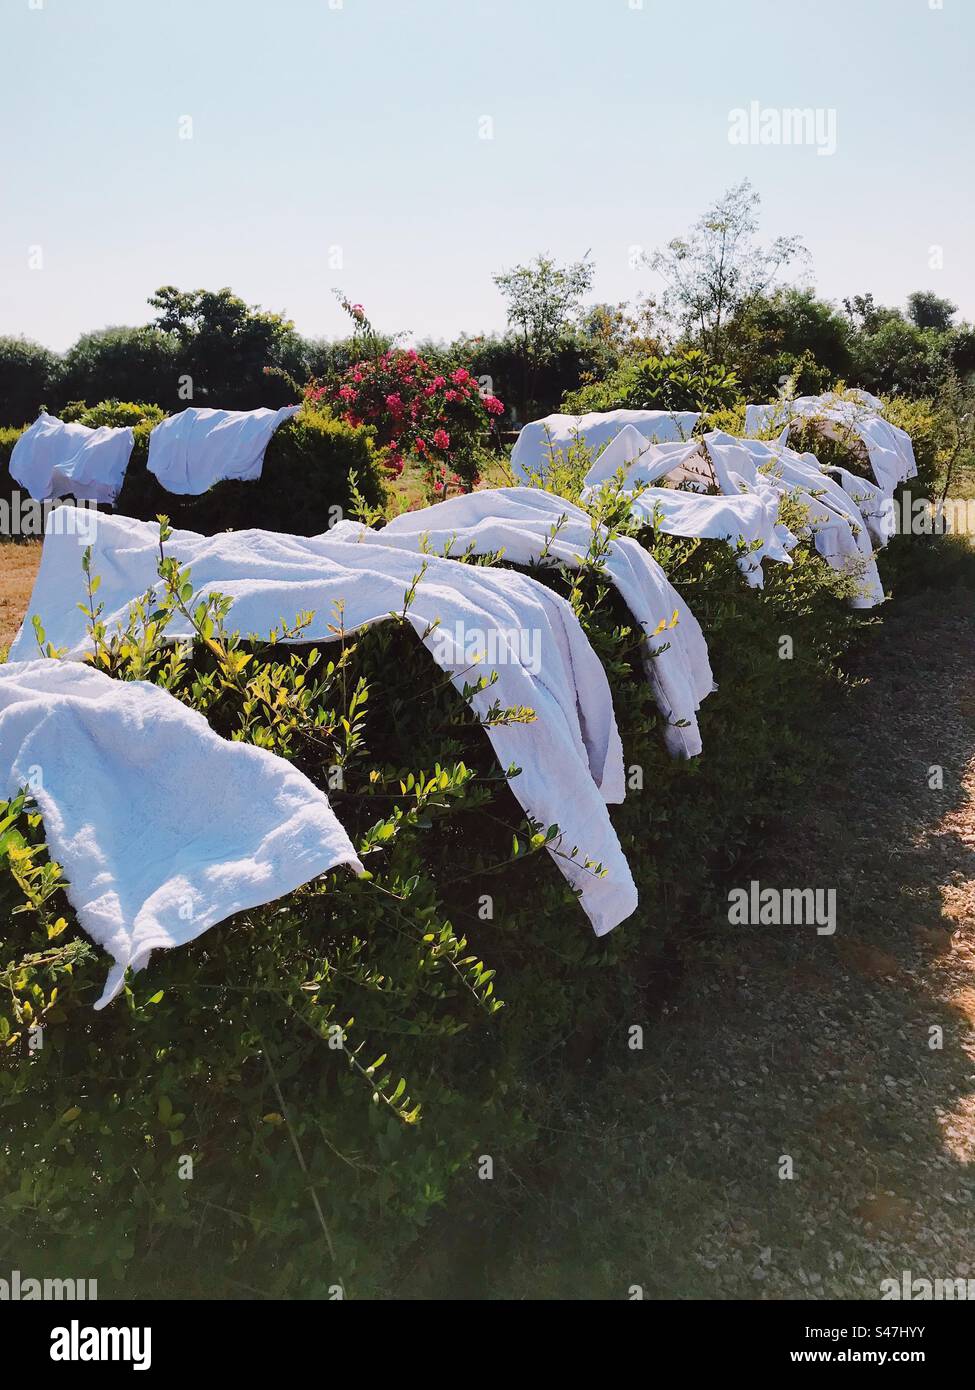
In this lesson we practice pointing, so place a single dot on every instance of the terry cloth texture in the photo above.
(162, 827)
(570, 756)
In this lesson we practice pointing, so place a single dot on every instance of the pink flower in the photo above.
(395, 403)
(347, 393)
(421, 447)
(451, 396)
(357, 311)
(460, 376)
(493, 406)
(441, 439)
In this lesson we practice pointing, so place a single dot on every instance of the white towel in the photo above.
(833, 518)
(874, 504)
(162, 828)
(540, 439)
(571, 757)
(53, 459)
(680, 463)
(752, 517)
(197, 448)
(525, 523)
(888, 449)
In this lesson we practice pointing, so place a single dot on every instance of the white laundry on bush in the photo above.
(875, 506)
(679, 463)
(527, 523)
(570, 756)
(161, 827)
(58, 459)
(540, 440)
(833, 518)
(751, 518)
(191, 451)
(857, 419)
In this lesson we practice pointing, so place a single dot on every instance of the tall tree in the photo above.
(928, 310)
(224, 346)
(719, 268)
(544, 300)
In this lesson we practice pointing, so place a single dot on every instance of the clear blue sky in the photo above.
(318, 124)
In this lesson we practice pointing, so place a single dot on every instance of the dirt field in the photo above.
(802, 1122)
(18, 566)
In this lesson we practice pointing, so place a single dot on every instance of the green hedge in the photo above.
(290, 1028)
(306, 482)
(221, 1049)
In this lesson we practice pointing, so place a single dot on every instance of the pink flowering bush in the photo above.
(416, 409)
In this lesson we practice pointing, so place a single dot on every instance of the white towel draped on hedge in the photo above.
(857, 419)
(526, 523)
(834, 520)
(57, 459)
(680, 463)
(751, 518)
(540, 439)
(875, 506)
(197, 448)
(162, 828)
(571, 757)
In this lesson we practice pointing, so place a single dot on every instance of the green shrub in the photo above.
(115, 413)
(685, 380)
(136, 364)
(316, 469)
(28, 375)
(312, 468)
(222, 1050)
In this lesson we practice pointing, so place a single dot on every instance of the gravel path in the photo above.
(825, 1049)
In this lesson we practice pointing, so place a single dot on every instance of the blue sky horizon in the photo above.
(402, 151)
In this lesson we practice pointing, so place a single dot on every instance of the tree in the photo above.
(715, 272)
(223, 347)
(866, 316)
(899, 358)
(544, 299)
(789, 333)
(125, 364)
(928, 310)
(27, 378)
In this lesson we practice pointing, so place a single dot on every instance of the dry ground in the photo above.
(18, 565)
(852, 1056)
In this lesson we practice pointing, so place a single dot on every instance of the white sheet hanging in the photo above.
(681, 463)
(540, 439)
(571, 757)
(526, 523)
(750, 518)
(834, 520)
(161, 827)
(55, 459)
(199, 447)
(875, 506)
(888, 449)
